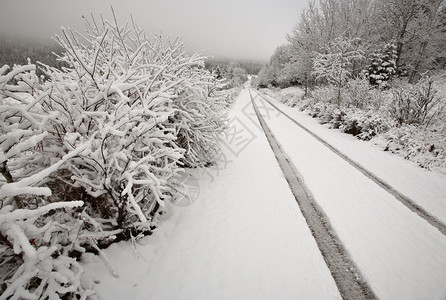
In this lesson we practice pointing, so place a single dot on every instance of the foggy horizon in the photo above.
(248, 31)
(43, 41)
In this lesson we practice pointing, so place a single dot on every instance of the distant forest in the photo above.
(17, 51)
(251, 67)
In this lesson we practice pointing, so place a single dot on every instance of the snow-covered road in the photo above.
(400, 254)
(346, 274)
(435, 187)
(426, 189)
(245, 237)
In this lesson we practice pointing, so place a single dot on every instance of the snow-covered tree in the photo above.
(428, 40)
(325, 20)
(383, 65)
(418, 27)
(303, 66)
(280, 70)
(336, 64)
(235, 74)
(265, 76)
(231, 73)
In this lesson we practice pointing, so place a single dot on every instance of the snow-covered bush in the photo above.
(426, 147)
(22, 127)
(373, 117)
(365, 124)
(142, 106)
(416, 104)
(290, 96)
(266, 76)
(324, 94)
(362, 123)
(41, 242)
(113, 130)
(360, 93)
(370, 119)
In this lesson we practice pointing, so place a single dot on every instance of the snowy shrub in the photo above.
(324, 94)
(290, 96)
(142, 106)
(360, 93)
(426, 147)
(228, 97)
(113, 129)
(21, 126)
(365, 124)
(255, 82)
(266, 76)
(41, 241)
(319, 105)
(416, 104)
(329, 114)
(420, 134)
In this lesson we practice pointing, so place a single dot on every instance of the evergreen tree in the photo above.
(383, 65)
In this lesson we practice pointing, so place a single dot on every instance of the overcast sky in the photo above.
(237, 29)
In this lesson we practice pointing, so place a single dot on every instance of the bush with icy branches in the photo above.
(417, 104)
(40, 241)
(113, 130)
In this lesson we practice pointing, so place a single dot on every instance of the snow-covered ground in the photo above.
(426, 188)
(399, 254)
(245, 238)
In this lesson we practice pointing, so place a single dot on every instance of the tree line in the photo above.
(18, 51)
(338, 39)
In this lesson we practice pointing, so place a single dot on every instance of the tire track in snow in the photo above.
(406, 201)
(345, 274)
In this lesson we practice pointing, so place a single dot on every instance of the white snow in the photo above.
(426, 188)
(244, 238)
(24, 186)
(399, 254)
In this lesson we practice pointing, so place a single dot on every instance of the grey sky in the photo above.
(238, 29)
